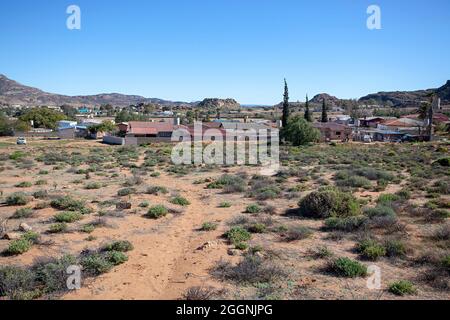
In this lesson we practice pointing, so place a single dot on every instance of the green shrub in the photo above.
(329, 202)
(298, 233)
(120, 246)
(126, 192)
(96, 264)
(181, 201)
(156, 190)
(387, 199)
(395, 248)
(18, 246)
(24, 184)
(225, 204)
(17, 199)
(238, 234)
(380, 211)
(230, 184)
(354, 182)
(144, 204)
(93, 185)
(157, 212)
(16, 155)
(51, 274)
(345, 267)
(402, 288)
(241, 246)
(58, 227)
(370, 249)
(40, 194)
(116, 257)
(209, 226)
(347, 224)
(22, 213)
(68, 216)
(253, 208)
(445, 162)
(68, 203)
(88, 228)
(16, 283)
(40, 182)
(446, 263)
(257, 228)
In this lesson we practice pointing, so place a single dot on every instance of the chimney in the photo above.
(176, 121)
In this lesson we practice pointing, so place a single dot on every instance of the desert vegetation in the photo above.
(312, 230)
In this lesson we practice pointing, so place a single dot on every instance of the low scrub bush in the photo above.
(345, 267)
(68, 217)
(17, 199)
(22, 213)
(69, 204)
(120, 246)
(237, 235)
(209, 226)
(126, 192)
(181, 201)
(329, 202)
(156, 190)
(157, 212)
(251, 270)
(402, 288)
(347, 224)
(297, 233)
(253, 208)
(58, 227)
(370, 249)
(24, 184)
(380, 211)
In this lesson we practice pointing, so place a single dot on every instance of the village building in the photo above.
(331, 131)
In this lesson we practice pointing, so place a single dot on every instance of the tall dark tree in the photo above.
(324, 111)
(285, 118)
(308, 116)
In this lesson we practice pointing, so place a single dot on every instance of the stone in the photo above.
(25, 227)
(123, 205)
(234, 252)
(12, 236)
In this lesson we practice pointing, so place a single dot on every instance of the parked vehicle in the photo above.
(21, 141)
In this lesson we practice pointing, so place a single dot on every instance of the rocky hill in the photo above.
(408, 98)
(214, 103)
(329, 100)
(14, 93)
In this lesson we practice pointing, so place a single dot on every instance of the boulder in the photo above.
(25, 227)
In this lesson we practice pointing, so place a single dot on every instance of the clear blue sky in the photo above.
(191, 49)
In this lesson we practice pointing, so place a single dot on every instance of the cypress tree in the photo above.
(307, 112)
(285, 105)
(324, 111)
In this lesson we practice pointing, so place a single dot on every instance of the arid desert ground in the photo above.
(142, 228)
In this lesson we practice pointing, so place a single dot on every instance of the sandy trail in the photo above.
(165, 261)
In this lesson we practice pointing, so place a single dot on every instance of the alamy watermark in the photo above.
(210, 146)
(73, 22)
(374, 19)
(73, 281)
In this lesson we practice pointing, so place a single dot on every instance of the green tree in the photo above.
(300, 132)
(324, 111)
(42, 117)
(125, 116)
(105, 126)
(308, 116)
(285, 118)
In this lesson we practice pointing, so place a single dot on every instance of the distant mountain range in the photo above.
(14, 93)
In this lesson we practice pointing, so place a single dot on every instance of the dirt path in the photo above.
(166, 260)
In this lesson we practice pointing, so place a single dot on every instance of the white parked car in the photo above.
(21, 141)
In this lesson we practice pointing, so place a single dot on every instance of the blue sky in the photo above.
(191, 49)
